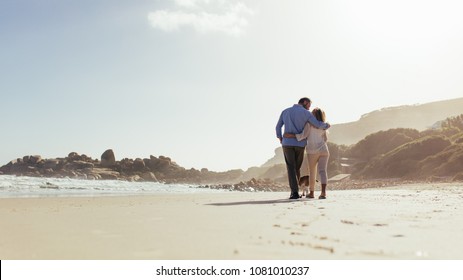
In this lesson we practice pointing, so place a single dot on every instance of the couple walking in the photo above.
(304, 130)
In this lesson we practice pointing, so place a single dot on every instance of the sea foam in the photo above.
(19, 186)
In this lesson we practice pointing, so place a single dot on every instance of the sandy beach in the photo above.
(402, 222)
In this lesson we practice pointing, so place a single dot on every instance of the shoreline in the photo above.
(49, 186)
(401, 222)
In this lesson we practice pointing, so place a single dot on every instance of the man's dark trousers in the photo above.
(293, 157)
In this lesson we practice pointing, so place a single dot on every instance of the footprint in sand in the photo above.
(326, 238)
(313, 246)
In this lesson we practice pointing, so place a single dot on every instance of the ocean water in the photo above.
(13, 186)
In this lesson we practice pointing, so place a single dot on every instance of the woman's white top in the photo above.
(316, 139)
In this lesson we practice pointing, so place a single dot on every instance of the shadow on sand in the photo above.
(257, 202)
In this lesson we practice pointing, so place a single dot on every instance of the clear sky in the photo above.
(204, 81)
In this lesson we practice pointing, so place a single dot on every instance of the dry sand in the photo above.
(404, 222)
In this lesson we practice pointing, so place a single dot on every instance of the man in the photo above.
(294, 119)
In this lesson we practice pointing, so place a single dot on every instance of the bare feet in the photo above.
(323, 194)
(310, 195)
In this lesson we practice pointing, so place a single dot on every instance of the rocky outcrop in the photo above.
(108, 159)
(252, 185)
(152, 169)
(72, 166)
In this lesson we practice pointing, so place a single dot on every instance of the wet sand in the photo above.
(402, 222)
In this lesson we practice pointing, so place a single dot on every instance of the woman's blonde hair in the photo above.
(319, 114)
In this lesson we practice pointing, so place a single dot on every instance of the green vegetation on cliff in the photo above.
(407, 153)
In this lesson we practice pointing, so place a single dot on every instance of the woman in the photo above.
(317, 152)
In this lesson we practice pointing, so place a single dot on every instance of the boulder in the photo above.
(35, 159)
(79, 164)
(19, 168)
(106, 173)
(153, 163)
(163, 163)
(93, 176)
(125, 165)
(458, 177)
(135, 178)
(31, 159)
(149, 176)
(138, 165)
(73, 156)
(86, 158)
(48, 171)
(50, 164)
(108, 159)
(76, 157)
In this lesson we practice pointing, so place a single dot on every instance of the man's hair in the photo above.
(304, 99)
